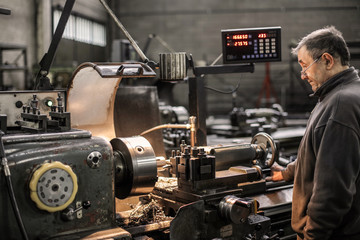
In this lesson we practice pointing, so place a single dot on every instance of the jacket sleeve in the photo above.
(289, 171)
(336, 171)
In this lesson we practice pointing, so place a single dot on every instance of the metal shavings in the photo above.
(147, 213)
(166, 184)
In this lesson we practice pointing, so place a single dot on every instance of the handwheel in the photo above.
(53, 186)
(264, 141)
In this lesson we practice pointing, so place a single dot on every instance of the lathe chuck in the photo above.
(135, 166)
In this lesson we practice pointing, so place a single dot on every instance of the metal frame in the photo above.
(197, 99)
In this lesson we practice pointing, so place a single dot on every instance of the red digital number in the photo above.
(240, 36)
(241, 43)
(262, 35)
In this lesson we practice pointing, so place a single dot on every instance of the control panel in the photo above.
(248, 45)
(12, 103)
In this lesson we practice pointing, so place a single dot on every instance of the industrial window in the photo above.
(82, 30)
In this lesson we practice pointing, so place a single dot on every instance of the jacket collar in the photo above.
(342, 77)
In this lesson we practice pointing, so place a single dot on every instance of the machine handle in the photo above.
(264, 141)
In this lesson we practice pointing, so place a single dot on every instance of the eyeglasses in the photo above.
(303, 72)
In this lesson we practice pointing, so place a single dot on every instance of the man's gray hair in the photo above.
(327, 39)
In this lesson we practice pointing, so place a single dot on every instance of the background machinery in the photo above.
(69, 156)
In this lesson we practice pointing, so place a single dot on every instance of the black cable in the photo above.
(7, 175)
(223, 92)
(15, 207)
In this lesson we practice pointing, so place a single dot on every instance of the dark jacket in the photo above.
(326, 194)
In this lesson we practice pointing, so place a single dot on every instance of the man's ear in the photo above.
(329, 60)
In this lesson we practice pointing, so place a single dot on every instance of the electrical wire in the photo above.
(223, 92)
(282, 73)
(7, 174)
(16, 208)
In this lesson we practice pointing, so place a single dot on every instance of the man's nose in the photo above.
(304, 76)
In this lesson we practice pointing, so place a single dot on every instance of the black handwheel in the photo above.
(264, 141)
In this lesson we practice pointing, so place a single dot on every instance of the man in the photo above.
(326, 193)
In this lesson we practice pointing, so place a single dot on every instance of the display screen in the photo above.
(240, 36)
(251, 45)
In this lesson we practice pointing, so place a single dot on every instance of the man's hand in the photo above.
(276, 174)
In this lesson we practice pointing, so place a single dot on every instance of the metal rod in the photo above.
(46, 137)
(197, 108)
(191, 126)
(127, 34)
(184, 126)
(192, 121)
(216, 60)
(162, 42)
(5, 11)
(48, 57)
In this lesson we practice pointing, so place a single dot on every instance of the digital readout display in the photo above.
(240, 36)
(262, 35)
(239, 43)
(251, 45)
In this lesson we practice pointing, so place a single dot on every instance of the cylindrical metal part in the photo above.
(192, 121)
(232, 155)
(173, 66)
(234, 209)
(136, 166)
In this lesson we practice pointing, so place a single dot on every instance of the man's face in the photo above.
(316, 73)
